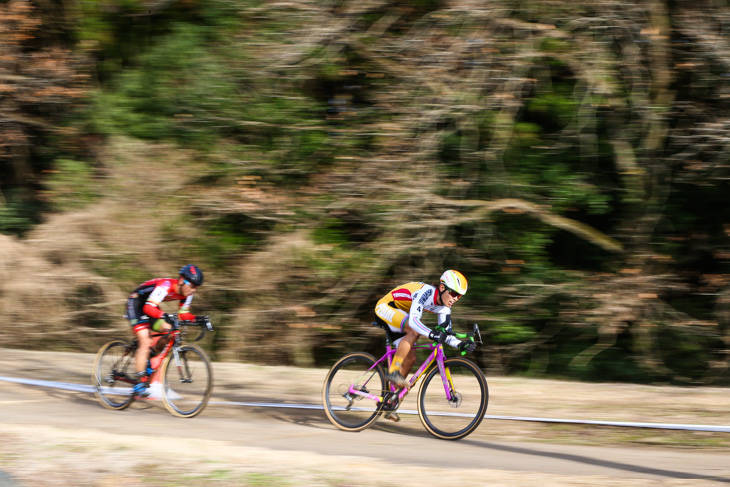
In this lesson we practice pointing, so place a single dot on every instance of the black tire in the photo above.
(456, 418)
(186, 389)
(352, 412)
(113, 375)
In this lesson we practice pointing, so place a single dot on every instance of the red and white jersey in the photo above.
(150, 294)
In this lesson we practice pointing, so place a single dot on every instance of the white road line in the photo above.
(692, 427)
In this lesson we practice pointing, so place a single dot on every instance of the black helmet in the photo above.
(192, 274)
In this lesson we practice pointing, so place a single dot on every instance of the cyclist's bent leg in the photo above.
(397, 321)
(144, 340)
(409, 359)
(142, 331)
(405, 355)
(141, 326)
(160, 326)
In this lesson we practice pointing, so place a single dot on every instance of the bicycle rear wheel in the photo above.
(113, 375)
(187, 386)
(451, 419)
(347, 411)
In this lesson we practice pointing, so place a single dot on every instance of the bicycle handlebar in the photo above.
(474, 335)
(205, 325)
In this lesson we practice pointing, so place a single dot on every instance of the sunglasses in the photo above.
(189, 283)
(453, 293)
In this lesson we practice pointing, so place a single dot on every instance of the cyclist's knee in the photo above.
(411, 336)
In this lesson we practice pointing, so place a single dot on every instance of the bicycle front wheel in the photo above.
(187, 385)
(348, 411)
(458, 414)
(113, 375)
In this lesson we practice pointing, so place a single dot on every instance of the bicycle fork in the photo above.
(452, 397)
(185, 375)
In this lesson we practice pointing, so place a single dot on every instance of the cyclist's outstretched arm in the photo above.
(414, 321)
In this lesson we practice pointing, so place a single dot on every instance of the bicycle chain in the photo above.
(391, 402)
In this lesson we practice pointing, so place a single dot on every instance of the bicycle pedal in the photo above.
(393, 416)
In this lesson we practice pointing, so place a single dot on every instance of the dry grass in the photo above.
(58, 281)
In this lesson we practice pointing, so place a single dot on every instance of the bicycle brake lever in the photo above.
(477, 335)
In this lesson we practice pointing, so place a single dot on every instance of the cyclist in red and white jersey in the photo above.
(402, 308)
(145, 315)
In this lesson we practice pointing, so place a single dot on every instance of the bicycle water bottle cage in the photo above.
(390, 337)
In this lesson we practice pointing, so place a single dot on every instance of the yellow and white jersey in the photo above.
(406, 304)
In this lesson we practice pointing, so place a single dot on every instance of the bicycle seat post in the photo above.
(388, 334)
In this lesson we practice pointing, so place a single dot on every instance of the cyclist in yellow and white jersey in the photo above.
(402, 308)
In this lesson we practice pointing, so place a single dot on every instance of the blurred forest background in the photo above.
(571, 159)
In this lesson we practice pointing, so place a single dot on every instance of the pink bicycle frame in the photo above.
(437, 355)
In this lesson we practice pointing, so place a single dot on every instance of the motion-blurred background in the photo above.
(570, 158)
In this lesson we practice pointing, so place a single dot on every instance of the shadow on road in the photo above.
(675, 474)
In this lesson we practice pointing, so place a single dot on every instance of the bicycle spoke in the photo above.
(187, 387)
(112, 375)
(346, 385)
(458, 415)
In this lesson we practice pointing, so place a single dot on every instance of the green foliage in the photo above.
(615, 363)
(425, 5)
(18, 214)
(687, 351)
(523, 113)
(71, 185)
(188, 89)
(227, 238)
(550, 44)
(330, 232)
(10, 222)
(120, 267)
(119, 31)
(508, 329)
(555, 106)
(176, 81)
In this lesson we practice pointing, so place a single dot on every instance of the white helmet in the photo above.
(455, 281)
